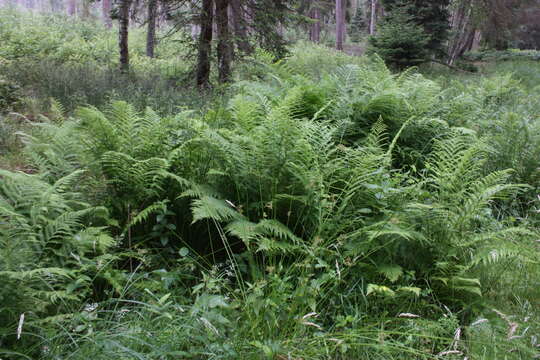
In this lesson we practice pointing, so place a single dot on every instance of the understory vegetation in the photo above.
(321, 207)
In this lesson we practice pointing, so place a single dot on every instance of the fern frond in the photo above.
(276, 229)
(273, 247)
(211, 208)
(243, 229)
(143, 215)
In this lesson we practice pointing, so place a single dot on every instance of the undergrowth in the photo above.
(330, 209)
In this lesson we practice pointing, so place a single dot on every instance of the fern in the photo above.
(46, 242)
(211, 208)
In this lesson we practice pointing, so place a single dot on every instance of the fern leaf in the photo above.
(211, 208)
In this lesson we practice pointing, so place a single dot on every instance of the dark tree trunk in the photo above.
(106, 12)
(151, 32)
(240, 28)
(339, 24)
(224, 42)
(343, 22)
(123, 19)
(205, 42)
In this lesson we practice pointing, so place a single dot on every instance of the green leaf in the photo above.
(209, 207)
(380, 290)
(415, 290)
(391, 272)
(164, 298)
(184, 251)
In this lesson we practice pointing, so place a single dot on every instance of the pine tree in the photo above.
(431, 15)
(358, 25)
(399, 41)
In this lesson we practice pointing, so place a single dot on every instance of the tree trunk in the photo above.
(315, 29)
(339, 24)
(240, 29)
(151, 32)
(205, 41)
(476, 40)
(123, 20)
(343, 22)
(462, 28)
(373, 18)
(224, 41)
(106, 12)
(72, 7)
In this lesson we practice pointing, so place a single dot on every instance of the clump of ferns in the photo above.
(455, 216)
(53, 246)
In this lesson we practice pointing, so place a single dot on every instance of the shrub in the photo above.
(10, 95)
(399, 41)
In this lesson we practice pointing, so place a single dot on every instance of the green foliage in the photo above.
(50, 257)
(400, 41)
(358, 25)
(10, 95)
(432, 15)
(503, 55)
(76, 63)
(330, 209)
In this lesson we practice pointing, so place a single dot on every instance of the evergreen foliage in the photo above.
(358, 25)
(400, 41)
(431, 15)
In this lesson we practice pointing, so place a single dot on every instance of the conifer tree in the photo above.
(358, 24)
(431, 15)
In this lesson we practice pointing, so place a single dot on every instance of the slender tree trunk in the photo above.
(123, 20)
(106, 12)
(339, 24)
(343, 18)
(373, 18)
(315, 29)
(224, 41)
(317, 25)
(240, 29)
(71, 7)
(205, 41)
(151, 32)
(476, 40)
